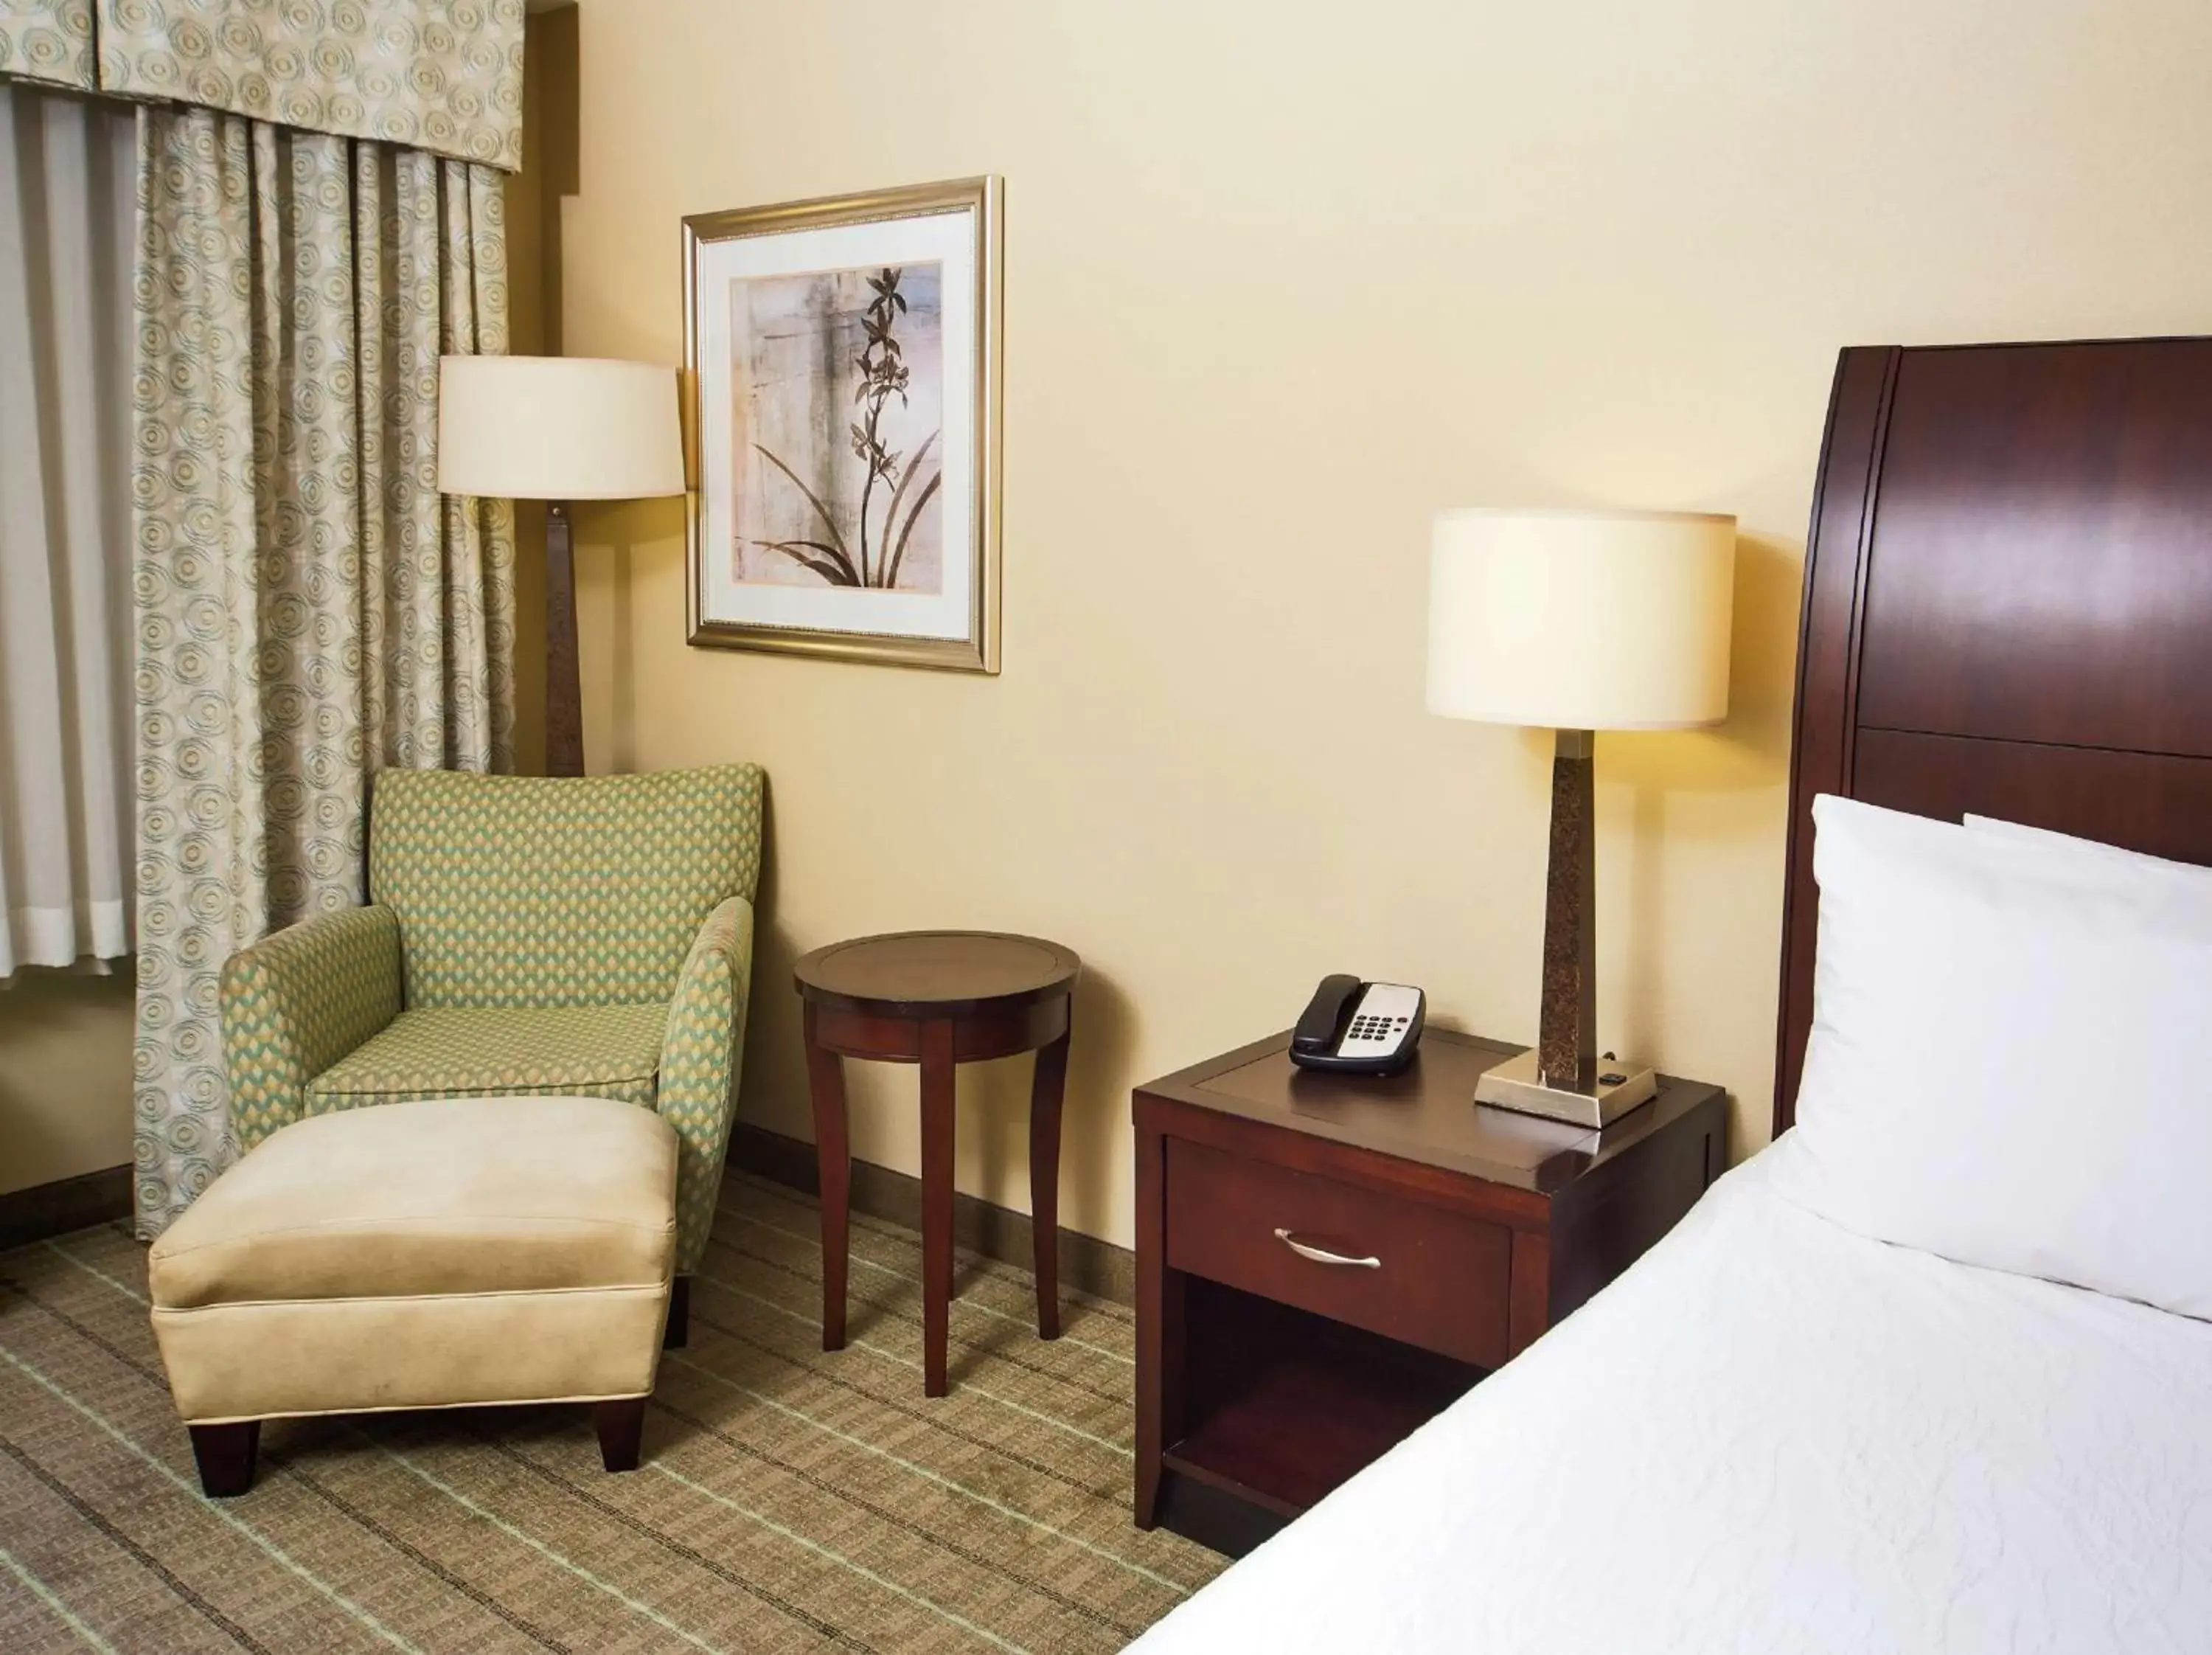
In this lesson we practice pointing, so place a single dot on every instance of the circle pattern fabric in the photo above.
(309, 608)
(442, 75)
(48, 41)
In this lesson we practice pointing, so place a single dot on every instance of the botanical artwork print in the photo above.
(837, 384)
(842, 369)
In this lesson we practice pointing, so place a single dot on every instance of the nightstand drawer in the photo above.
(1435, 1279)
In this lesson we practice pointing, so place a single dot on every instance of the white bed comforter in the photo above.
(1773, 1435)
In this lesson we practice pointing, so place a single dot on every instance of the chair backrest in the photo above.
(557, 891)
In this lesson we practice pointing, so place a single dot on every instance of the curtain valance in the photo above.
(48, 41)
(439, 76)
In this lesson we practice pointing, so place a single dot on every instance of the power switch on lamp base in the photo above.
(1517, 1084)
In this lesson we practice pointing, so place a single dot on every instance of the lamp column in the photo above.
(564, 694)
(1576, 622)
(1566, 1027)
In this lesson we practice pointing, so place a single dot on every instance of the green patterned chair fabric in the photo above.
(444, 1051)
(557, 891)
(588, 935)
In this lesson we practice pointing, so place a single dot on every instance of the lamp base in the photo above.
(1517, 1084)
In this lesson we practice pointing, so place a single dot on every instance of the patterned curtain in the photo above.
(444, 76)
(48, 41)
(309, 607)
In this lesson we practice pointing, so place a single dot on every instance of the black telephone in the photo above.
(1359, 1028)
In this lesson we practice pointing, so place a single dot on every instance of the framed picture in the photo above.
(841, 380)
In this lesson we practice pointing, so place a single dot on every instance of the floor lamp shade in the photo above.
(557, 427)
(1581, 620)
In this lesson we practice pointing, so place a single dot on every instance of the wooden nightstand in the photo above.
(1324, 1262)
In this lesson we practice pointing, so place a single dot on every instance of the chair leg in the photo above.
(678, 1333)
(225, 1455)
(621, 1425)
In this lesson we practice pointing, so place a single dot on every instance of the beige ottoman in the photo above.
(445, 1254)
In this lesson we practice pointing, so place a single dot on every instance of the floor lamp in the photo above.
(1577, 621)
(558, 428)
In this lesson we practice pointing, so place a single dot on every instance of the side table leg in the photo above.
(1047, 1087)
(937, 1073)
(833, 1154)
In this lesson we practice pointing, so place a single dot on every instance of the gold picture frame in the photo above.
(786, 305)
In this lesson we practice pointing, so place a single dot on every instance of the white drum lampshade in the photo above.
(1581, 620)
(557, 427)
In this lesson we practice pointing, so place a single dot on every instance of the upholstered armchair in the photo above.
(588, 935)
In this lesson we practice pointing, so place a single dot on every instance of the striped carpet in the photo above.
(790, 1499)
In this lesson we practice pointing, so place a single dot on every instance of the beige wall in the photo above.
(1281, 281)
(64, 1077)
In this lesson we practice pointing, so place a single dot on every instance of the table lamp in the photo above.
(1577, 621)
(558, 428)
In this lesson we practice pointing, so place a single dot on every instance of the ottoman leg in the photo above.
(621, 1424)
(225, 1455)
(678, 1331)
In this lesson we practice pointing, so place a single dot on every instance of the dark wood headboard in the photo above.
(2007, 605)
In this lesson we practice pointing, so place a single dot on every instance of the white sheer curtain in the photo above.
(67, 189)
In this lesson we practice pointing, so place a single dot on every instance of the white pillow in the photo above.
(2065, 845)
(2011, 1056)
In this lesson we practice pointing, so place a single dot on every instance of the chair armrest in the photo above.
(295, 1002)
(699, 1059)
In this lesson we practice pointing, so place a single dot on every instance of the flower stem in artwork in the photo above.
(881, 374)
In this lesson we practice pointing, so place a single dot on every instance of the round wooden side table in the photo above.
(937, 998)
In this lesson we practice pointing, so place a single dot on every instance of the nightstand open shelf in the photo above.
(1325, 1261)
(1283, 1404)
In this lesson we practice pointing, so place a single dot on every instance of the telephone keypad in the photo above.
(1383, 1016)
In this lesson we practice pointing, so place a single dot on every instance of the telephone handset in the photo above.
(1359, 1028)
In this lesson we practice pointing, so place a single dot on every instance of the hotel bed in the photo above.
(1775, 1431)
(1773, 1434)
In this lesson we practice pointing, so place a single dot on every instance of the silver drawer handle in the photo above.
(1323, 1255)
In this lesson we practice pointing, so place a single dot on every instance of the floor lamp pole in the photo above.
(564, 694)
